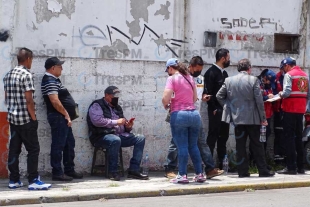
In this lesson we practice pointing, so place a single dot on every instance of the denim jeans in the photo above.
(63, 144)
(205, 152)
(185, 127)
(114, 142)
(24, 134)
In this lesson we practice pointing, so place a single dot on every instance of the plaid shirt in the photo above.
(16, 82)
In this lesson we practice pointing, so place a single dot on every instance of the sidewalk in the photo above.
(95, 187)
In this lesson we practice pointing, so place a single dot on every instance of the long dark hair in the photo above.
(182, 68)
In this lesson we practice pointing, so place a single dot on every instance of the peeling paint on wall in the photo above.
(110, 52)
(139, 9)
(164, 10)
(45, 10)
(34, 26)
(4, 35)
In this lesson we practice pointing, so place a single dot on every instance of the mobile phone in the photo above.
(132, 119)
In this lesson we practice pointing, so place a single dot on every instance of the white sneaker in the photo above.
(200, 178)
(180, 179)
(38, 185)
(13, 185)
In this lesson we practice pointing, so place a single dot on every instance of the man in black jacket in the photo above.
(214, 79)
(108, 127)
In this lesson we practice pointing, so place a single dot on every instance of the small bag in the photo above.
(76, 113)
(168, 117)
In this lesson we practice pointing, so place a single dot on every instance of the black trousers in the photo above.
(279, 143)
(24, 134)
(257, 148)
(292, 130)
(218, 133)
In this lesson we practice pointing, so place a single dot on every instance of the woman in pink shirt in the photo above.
(180, 95)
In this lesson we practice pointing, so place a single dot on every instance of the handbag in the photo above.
(75, 113)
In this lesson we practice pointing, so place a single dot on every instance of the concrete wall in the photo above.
(126, 43)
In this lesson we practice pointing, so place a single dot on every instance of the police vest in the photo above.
(297, 101)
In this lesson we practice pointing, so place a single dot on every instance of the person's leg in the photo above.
(221, 142)
(205, 151)
(14, 152)
(298, 141)
(138, 141)
(113, 142)
(68, 153)
(179, 128)
(214, 129)
(193, 133)
(241, 135)
(279, 143)
(30, 139)
(289, 128)
(172, 157)
(257, 148)
(59, 131)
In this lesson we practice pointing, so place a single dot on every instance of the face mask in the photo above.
(226, 64)
(114, 101)
(196, 73)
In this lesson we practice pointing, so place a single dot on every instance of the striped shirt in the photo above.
(51, 87)
(16, 82)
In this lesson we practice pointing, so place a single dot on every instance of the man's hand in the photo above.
(121, 121)
(206, 97)
(214, 112)
(264, 123)
(68, 120)
(270, 95)
(129, 124)
(280, 93)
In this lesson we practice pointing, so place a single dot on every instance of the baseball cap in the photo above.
(171, 62)
(113, 90)
(271, 76)
(287, 61)
(50, 62)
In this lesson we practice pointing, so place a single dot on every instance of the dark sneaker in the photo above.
(244, 175)
(214, 172)
(301, 171)
(75, 175)
(268, 174)
(287, 172)
(114, 176)
(61, 178)
(137, 175)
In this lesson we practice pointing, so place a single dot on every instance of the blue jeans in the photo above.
(185, 127)
(206, 156)
(63, 144)
(114, 142)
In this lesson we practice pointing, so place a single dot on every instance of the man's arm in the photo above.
(259, 101)
(222, 94)
(209, 88)
(30, 104)
(287, 86)
(59, 107)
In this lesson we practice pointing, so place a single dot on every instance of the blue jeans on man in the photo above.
(114, 142)
(63, 144)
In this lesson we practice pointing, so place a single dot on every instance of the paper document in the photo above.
(275, 98)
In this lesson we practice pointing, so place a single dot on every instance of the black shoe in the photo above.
(244, 175)
(287, 172)
(75, 175)
(61, 178)
(269, 167)
(137, 175)
(268, 174)
(301, 171)
(115, 176)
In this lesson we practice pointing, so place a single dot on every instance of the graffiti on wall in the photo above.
(4, 35)
(251, 23)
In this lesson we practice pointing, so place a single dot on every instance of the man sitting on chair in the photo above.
(108, 128)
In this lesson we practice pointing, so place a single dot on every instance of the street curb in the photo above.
(155, 193)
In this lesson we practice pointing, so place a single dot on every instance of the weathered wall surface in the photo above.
(125, 43)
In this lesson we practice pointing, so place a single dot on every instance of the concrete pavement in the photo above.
(95, 187)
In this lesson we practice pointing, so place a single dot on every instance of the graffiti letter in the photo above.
(234, 22)
(223, 20)
(250, 23)
(244, 22)
(267, 21)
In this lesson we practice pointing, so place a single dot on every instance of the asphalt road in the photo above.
(294, 197)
